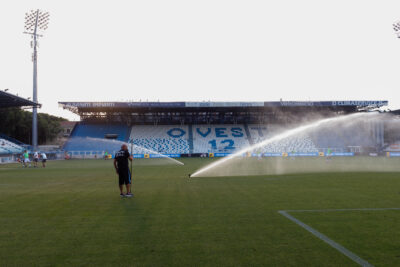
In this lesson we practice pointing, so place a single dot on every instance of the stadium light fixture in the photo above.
(36, 22)
(396, 28)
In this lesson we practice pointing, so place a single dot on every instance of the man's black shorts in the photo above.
(124, 177)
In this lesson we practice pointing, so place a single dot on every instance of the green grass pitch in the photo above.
(70, 214)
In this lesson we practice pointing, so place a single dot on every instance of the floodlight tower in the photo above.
(36, 21)
(396, 28)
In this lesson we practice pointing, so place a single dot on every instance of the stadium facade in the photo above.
(218, 128)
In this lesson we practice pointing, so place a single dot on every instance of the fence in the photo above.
(13, 158)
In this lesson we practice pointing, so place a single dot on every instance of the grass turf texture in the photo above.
(370, 234)
(71, 214)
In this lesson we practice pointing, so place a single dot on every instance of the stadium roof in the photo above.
(106, 106)
(395, 112)
(213, 112)
(8, 100)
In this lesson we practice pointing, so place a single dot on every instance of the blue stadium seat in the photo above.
(178, 139)
(219, 138)
(299, 143)
(8, 147)
(162, 139)
(91, 137)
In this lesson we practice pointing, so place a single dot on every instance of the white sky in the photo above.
(204, 50)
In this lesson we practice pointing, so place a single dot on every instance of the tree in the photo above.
(17, 123)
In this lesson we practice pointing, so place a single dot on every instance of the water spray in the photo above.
(133, 146)
(279, 137)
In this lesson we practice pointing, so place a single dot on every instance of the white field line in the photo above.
(332, 210)
(326, 239)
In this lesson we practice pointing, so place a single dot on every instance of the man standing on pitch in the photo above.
(122, 167)
(44, 159)
(35, 159)
(25, 156)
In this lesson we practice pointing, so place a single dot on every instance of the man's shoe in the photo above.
(121, 195)
(129, 195)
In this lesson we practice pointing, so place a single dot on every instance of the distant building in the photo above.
(67, 127)
(66, 130)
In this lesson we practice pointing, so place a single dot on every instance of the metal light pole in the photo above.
(396, 28)
(36, 21)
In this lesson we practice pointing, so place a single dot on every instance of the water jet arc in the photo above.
(131, 147)
(279, 137)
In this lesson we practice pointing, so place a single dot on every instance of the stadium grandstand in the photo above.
(10, 146)
(216, 128)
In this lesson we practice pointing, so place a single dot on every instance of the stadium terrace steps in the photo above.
(91, 137)
(13, 140)
(190, 138)
(164, 139)
(219, 138)
(300, 143)
(100, 130)
(229, 138)
(246, 129)
(342, 138)
(8, 147)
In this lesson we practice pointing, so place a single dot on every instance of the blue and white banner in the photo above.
(342, 154)
(221, 154)
(165, 156)
(394, 154)
(272, 155)
(141, 156)
(173, 155)
(155, 156)
(305, 154)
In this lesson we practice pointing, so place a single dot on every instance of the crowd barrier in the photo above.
(101, 154)
(393, 154)
(13, 158)
(8, 159)
(292, 154)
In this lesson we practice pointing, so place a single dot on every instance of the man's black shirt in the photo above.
(122, 159)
